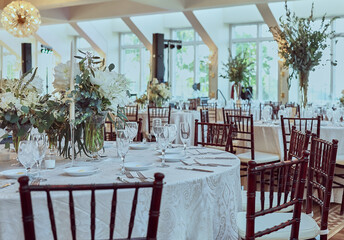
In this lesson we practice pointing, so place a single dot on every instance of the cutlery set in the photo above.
(129, 175)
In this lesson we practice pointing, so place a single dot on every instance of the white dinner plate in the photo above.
(14, 173)
(139, 146)
(81, 171)
(173, 157)
(171, 150)
(137, 166)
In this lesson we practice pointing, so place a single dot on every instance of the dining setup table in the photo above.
(200, 199)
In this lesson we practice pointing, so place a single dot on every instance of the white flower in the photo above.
(7, 98)
(37, 82)
(62, 76)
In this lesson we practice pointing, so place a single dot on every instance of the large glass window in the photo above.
(188, 65)
(262, 51)
(10, 65)
(134, 62)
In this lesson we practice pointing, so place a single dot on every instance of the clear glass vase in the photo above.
(20, 134)
(94, 134)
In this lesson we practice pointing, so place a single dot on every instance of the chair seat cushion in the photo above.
(266, 201)
(308, 227)
(259, 157)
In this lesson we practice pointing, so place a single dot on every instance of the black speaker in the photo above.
(26, 57)
(158, 68)
(246, 93)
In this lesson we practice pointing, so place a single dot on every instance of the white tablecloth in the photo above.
(268, 138)
(195, 205)
(176, 117)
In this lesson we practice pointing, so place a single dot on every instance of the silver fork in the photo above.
(143, 176)
(185, 163)
(129, 175)
(212, 164)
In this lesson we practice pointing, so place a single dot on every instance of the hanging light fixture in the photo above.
(20, 18)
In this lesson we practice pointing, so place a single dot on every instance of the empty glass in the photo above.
(267, 114)
(155, 122)
(132, 130)
(172, 128)
(27, 154)
(42, 142)
(163, 141)
(122, 140)
(185, 132)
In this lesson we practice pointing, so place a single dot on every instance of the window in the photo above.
(188, 65)
(134, 62)
(262, 51)
(10, 64)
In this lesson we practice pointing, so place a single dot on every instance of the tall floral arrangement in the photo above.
(98, 90)
(20, 100)
(237, 70)
(158, 93)
(300, 44)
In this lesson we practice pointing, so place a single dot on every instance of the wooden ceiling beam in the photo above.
(83, 34)
(131, 25)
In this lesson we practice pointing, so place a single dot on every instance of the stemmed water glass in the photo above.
(122, 140)
(155, 122)
(163, 141)
(132, 130)
(27, 154)
(42, 142)
(172, 128)
(185, 132)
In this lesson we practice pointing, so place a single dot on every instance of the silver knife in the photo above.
(194, 169)
(7, 185)
(200, 157)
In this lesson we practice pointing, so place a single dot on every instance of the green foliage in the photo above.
(237, 69)
(300, 45)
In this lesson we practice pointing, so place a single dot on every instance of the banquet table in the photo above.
(195, 205)
(268, 138)
(177, 116)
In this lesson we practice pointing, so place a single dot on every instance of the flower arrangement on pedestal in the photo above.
(158, 93)
(300, 46)
(237, 71)
(20, 102)
(98, 90)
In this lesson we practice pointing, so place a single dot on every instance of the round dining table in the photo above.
(196, 204)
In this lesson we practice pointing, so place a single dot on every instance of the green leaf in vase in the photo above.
(8, 116)
(25, 109)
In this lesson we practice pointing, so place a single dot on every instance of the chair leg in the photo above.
(342, 206)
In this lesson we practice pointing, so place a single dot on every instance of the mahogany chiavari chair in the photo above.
(269, 223)
(164, 113)
(321, 167)
(298, 144)
(110, 131)
(193, 103)
(233, 111)
(301, 124)
(25, 191)
(295, 107)
(204, 114)
(244, 107)
(275, 108)
(243, 138)
(212, 111)
(212, 134)
(132, 113)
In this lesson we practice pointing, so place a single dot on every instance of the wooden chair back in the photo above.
(164, 113)
(301, 124)
(321, 168)
(212, 134)
(193, 103)
(110, 131)
(242, 133)
(244, 107)
(298, 143)
(288, 180)
(233, 111)
(275, 108)
(25, 191)
(212, 112)
(295, 107)
(204, 114)
(132, 113)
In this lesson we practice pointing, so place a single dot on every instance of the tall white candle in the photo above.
(71, 86)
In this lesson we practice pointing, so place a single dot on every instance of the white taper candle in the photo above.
(72, 104)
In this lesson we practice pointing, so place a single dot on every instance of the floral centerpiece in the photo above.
(142, 101)
(237, 71)
(98, 90)
(158, 93)
(301, 46)
(19, 102)
(341, 99)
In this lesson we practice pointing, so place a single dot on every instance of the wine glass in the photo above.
(132, 130)
(27, 154)
(172, 128)
(185, 132)
(41, 140)
(163, 141)
(122, 140)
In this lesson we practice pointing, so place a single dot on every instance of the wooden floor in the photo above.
(338, 236)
